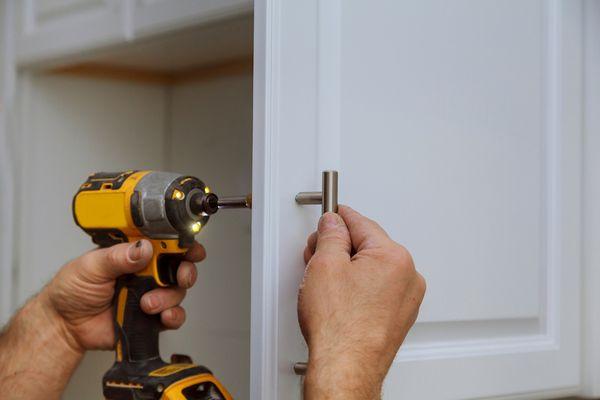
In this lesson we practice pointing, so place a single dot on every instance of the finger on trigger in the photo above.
(173, 318)
(196, 253)
(158, 300)
(186, 274)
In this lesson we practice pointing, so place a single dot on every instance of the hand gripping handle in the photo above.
(136, 332)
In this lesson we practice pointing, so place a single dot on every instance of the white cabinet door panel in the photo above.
(458, 127)
(442, 127)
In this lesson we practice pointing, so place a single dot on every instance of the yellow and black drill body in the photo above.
(168, 210)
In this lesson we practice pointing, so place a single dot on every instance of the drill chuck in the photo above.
(204, 203)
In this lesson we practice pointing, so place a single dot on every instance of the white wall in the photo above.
(7, 73)
(74, 126)
(4, 262)
(70, 128)
(211, 138)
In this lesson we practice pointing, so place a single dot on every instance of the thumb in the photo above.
(333, 236)
(111, 262)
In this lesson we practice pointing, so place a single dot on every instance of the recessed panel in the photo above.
(443, 142)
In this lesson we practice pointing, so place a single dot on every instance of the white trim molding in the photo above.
(264, 319)
(591, 202)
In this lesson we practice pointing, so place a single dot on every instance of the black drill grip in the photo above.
(137, 332)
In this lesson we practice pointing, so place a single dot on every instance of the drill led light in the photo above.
(178, 195)
(206, 189)
(196, 226)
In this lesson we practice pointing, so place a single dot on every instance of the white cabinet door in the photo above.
(457, 125)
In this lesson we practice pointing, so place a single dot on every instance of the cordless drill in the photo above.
(168, 210)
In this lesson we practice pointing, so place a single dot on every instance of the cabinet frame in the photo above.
(263, 324)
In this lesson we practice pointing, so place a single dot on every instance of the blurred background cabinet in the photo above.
(466, 128)
(49, 29)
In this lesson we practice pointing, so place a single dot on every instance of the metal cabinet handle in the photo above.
(300, 368)
(328, 198)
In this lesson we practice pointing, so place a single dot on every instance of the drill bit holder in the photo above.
(235, 202)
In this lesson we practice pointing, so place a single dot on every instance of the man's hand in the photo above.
(46, 339)
(359, 298)
(82, 292)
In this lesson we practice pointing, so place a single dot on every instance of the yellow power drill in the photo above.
(168, 210)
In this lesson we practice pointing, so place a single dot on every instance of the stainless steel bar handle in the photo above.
(328, 198)
(300, 368)
(305, 198)
(330, 192)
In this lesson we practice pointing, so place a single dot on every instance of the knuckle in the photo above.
(179, 315)
(421, 285)
(307, 254)
(321, 259)
(192, 276)
(113, 255)
(401, 257)
(173, 315)
(174, 296)
(374, 226)
(87, 260)
(201, 252)
(312, 237)
(333, 234)
(185, 272)
(372, 223)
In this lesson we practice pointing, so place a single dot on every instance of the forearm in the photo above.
(37, 355)
(333, 378)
